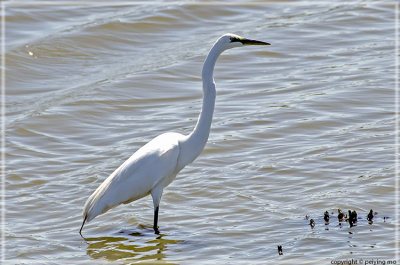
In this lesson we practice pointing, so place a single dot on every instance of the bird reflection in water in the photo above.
(131, 245)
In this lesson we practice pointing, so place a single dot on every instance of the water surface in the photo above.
(300, 127)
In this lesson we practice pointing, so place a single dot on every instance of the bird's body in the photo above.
(154, 166)
(138, 176)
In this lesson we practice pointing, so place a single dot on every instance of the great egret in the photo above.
(154, 166)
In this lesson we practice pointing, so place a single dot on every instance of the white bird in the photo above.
(154, 166)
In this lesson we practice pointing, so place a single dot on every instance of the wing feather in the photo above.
(154, 163)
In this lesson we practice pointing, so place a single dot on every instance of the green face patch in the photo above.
(236, 39)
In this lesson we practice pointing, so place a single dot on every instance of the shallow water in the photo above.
(300, 127)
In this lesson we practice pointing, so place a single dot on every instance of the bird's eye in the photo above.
(233, 39)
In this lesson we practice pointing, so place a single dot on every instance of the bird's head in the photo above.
(230, 40)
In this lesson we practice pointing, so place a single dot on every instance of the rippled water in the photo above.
(300, 127)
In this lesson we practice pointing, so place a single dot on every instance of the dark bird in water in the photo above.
(370, 215)
(352, 218)
(312, 223)
(326, 216)
(340, 215)
(280, 251)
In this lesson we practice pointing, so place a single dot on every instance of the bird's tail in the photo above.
(83, 223)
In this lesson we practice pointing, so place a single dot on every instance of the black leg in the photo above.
(156, 231)
(83, 223)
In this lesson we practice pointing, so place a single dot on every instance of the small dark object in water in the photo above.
(280, 251)
(326, 216)
(340, 215)
(349, 218)
(312, 223)
(307, 216)
(370, 215)
(354, 213)
(352, 218)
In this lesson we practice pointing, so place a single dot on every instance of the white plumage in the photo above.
(154, 166)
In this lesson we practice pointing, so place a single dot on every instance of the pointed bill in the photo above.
(245, 41)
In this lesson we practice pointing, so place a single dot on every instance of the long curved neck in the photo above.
(194, 143)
